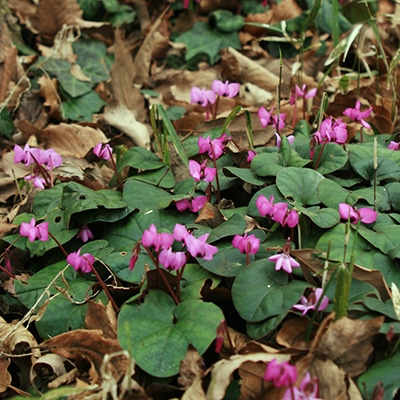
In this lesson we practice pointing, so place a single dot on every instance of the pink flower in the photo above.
(195, 204)
(330, 131)
(355, 114)
(51, 159)
(366, 215)
(202, 97)
(308, 390)
(180, 232)
(37, 181)
(246, 244)
(283, 374)
(225, 89)
(23, 155)
(219, 341)
(394, 145)
(284, 260)
(85, 234)
(151, 238)
(214, 148)
(33, 231)
(290, 139)
(311, 302)
(201, 171)
(172, 260)
(266, 118)
(197, 247)
(103, 151)
(284, 216)
(297, 92)
(250, 155)
(134, 256)
(80, 262)
(264, 206)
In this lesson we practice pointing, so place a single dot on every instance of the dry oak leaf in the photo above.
(90, 345)
(51, 15)
(72, 139)
(191, 367)
(99, 316)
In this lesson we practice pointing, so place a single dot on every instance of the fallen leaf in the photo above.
(101, 317)
(192, 367)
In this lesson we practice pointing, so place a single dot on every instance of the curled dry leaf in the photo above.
(101, 317)
(191, 373)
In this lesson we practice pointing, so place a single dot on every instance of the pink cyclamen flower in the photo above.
(355, 114)
(201, 171)
(172, 260)
(180, 232)
(284, 216)
(33, 231)
(80, 262)
(394, 145)
(103, 151)
(225, 89)
(366, 215)
(307, 390)
(302, 92)
(266, 118)
(37, 181)
(283, 374)
(85, 234)
(203, 97)
(311, 302)
(214, 148)
(219, 340)
(151, 238)
(250, 155)
(330, 131)
(264, 206)
(197, 247)
(284, 260)
(51, 159)
(23, 155)
(290, 139)
(246, 244)
(195, 204)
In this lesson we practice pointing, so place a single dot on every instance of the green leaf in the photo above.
(324, 218)
(299, 184)
(83, 107)
(71, 85)
(157, 333)
(387, 169)
(203, 39)
(226, 21)
(259, 292)
(331, 194)
(267, 164)
(245, 174)
(140, 158)
(333, 158)
(6, 124)
(258, 330)
(387, 372)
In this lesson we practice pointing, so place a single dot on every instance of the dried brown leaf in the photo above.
(5, 376)
(72, 139)
(101, 317)
(51, 15)
(252, 380)
(292, 333)
(349, 343)
(89, 345)
(48, 90)
(191, 367)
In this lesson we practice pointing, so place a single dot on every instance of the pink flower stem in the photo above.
(228, 336)
(215, 108)
(115, 168)
(216, 174)
(43, 172)
(163, 277)
(295, 110)
(98, 277)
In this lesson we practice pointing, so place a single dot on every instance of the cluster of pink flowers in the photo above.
(193, 204)
(162, 243)
(331, 131)
(364, 214)
(267, 118)
(200, 172)
(278, 212)
(247, 244)
(285, 375)
(206, 98)
(43, 160)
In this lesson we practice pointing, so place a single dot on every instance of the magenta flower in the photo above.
(264, 206)
(202, 97)
(195, 204)
(85, 234)
(284, 216)
(51, 159)
(283, 374)
(284, 260)
(266, 118)
(37, 181)
(250, 155)
(180, 232)
(366, 215)
(246, 244)
(33, 231)
(151, 238)
(330, 131)
(225, 89)
(103, 151)
(297, 92)
(172, 260)
(308, 390)
(80, 262)
(214, 148)
(197, 247)
(311, 302)
(23, 155)
(355, 114)
(394, 145)
(201, 171)
(290, 139)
